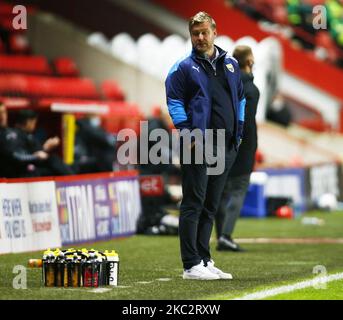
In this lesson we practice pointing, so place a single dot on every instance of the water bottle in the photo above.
(112, 267)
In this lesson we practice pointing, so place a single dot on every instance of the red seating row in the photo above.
(39, 86)
(36, 86)
(123, 115)
(24, 64)
(112, 91)
(65, 67)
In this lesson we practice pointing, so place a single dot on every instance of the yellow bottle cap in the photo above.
(111, 253)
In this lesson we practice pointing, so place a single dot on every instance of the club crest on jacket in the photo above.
(230, 67)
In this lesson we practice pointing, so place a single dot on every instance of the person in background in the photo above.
(14, 162)
(94, 147)
(204, 91)
(159, 120)
(278, 111)
(154, 208)
(32, 158)
(237, 183)
(5, 132)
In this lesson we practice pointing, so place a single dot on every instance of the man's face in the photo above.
(202, 37)
(250, 62)
(3, 116)
(30, 125)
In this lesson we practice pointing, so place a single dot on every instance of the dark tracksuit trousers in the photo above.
(200, 202)
(231, 204)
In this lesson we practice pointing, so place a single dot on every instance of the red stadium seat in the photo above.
(280, 15)
(123, 115)
(324, 40)
(112, 91)
(2, 47)
(65, 67)
(40, 87)
(6, 23)
(19, 43)
(24, 64)
(13, 85)
(6, 9)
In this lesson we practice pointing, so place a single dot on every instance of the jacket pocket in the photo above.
(200, 108)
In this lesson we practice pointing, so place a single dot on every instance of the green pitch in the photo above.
(150, 266)
(332, 291)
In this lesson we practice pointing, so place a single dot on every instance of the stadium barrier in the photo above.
(50, 212)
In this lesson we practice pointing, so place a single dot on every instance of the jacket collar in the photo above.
(195, 55)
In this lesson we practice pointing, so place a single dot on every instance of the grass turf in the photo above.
(152, 259)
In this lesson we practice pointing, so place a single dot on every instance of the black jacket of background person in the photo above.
(16, 152)
(94, 148)
(245, 160)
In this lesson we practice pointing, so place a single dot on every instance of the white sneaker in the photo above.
(199, 272)
(218, 272)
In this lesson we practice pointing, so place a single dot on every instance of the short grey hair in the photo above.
(242, 53)
(199, 18)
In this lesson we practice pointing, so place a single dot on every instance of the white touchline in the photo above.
(100, 290)
(292, 287)
(163, 279)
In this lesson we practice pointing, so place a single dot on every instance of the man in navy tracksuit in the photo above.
(204, 91)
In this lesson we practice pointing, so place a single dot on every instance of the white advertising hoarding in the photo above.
(5, 242)
(28, 217)
(43, 210)
(16, 219)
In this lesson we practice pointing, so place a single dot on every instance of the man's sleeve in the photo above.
(176, 92)
(9, 152)
(18, 157)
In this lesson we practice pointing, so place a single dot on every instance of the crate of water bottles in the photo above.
(80, 268)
